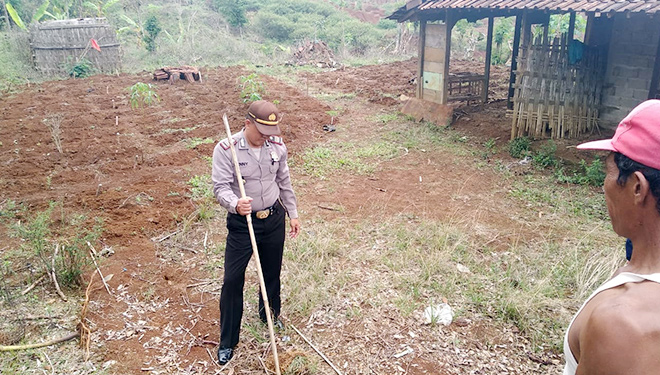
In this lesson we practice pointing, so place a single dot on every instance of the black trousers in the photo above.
(269, 233)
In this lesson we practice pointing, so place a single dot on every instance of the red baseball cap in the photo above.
(637, 136)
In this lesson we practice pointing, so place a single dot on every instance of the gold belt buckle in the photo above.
(262, 214)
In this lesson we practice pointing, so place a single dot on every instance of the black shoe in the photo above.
(224, 355)
(277, 324)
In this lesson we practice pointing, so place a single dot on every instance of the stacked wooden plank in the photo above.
(189, 73)
(555, 97)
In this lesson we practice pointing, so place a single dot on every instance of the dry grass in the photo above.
(54, 123)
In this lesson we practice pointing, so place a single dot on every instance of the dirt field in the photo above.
(132, 166)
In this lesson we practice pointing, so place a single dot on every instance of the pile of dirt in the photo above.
(314, 53)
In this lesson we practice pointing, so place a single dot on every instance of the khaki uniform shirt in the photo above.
(266, 179)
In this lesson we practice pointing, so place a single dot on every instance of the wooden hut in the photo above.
(558, 87)
(59, 45)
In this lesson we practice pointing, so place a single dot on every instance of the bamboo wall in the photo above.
(59, 45)
(554, 98)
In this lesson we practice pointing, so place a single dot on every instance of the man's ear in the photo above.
(640, 187)
(247, 122)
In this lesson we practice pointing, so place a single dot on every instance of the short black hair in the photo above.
(627, 166)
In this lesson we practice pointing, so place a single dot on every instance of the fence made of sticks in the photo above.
(57, 46)
(557, 90)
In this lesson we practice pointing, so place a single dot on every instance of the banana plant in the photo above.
(41, 12)
(60, 9)
(15, 17)
(133, 27)
(36, 17)
(99, 8)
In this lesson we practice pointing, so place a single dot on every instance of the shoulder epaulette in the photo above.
(275, 139)
(225, 144)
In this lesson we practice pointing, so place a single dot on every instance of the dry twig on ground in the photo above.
(29, 288)
(85, 332)
(53, 275)
(92, 253)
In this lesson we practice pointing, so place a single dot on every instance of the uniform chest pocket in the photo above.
(274, 161)
(274, 166)
(248, 169)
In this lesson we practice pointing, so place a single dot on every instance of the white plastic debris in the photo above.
(405, 352)
(439, 314)
(461, 268)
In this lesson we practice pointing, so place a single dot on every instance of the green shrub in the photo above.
(252, 89)
(81, 69)
(274, 26)
(546, 156)
(519, 147)
(40, 235)
(386, 24)
(232, 10)
(73, 260)
(143, 93)
(151, 31)
(587, 174)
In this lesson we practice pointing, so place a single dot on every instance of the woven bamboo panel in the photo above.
(58, 45)
(465, 86)
(555, 98)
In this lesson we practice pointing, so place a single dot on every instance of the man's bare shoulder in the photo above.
(624, 324)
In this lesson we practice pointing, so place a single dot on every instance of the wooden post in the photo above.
(546, 29)
(514, 59)
(653, 90)
(489, 50)
(526, 29)
(422, 46)
(571, 28)
(449, 23)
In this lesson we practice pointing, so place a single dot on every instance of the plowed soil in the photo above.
(131, 167)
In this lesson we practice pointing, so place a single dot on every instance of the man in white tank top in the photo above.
(617, 330)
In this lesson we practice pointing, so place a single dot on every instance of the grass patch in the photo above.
(415, 264)
(543, 193)
(201, 187)
(194, 142)
(323, 161)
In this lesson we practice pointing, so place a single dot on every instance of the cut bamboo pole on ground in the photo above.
(255, 251)
(316, 350)
(68, 337)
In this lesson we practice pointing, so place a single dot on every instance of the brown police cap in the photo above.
(266, 116)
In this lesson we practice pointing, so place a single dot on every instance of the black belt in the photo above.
(265, 213)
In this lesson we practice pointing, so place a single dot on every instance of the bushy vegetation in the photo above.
(519, 147)
(586, 174)
(58, 241)
(214, 32)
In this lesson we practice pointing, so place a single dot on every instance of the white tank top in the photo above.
(620, 279)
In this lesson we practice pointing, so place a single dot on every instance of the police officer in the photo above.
(262, 158)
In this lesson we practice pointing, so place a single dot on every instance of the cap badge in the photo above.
(272, 117)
